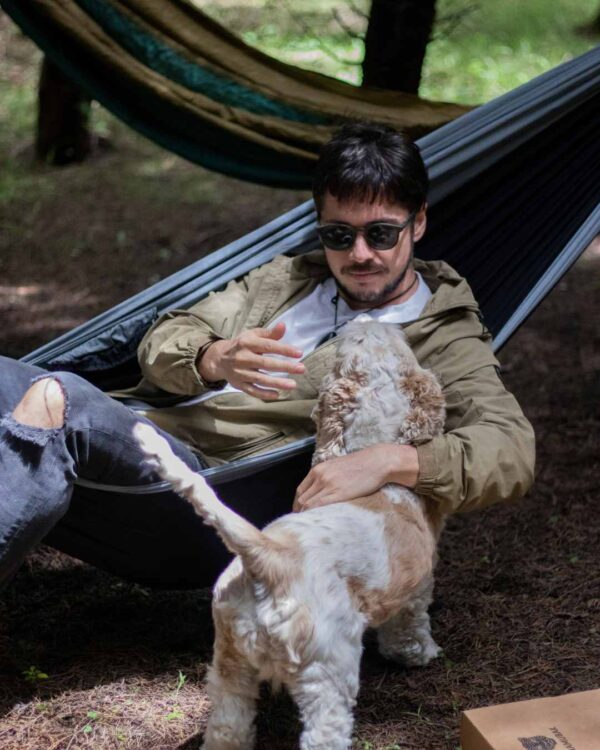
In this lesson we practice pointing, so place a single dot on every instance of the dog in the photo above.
(293, 605)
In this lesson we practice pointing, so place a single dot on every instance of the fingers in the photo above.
(262, 393)
(251, 345)
(244, 365)
(307, 489)
(267, 341)
(255, 362)
(268, 381)
(277, 332)
(253, 377)
(280, 365)
(324, 484)
(307, 482)
(317, 500)
(247, 358)
(265, 346)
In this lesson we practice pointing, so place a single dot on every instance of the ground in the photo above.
(89, 661)
(517, 606)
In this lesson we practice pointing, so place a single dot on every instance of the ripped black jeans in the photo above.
(152, 537)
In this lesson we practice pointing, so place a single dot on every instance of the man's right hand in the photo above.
(242, 360)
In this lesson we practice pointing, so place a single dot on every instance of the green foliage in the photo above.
(33, 675)
(176, 713)
(500, 46)
(480, 48)
(88, 727)
(181, 680)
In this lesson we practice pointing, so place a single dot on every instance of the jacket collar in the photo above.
(449, 290)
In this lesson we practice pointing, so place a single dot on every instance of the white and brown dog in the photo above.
(293, 605)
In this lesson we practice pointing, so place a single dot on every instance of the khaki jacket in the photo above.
(486, 454)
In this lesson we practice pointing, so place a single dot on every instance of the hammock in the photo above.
(185, 82)
(515, 199)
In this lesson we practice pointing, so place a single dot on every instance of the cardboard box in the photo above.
(567, 722)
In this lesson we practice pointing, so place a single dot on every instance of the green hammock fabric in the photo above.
(184, 81)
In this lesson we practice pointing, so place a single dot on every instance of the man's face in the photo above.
(370, 278)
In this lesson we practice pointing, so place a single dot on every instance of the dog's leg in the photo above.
(406, 637)
(233, 690)
(326, 695)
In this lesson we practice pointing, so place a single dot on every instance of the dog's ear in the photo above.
(427, 407)
(337, 400)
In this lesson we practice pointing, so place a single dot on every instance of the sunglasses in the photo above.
(379, 235)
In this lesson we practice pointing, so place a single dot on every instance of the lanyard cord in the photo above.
(335, 301)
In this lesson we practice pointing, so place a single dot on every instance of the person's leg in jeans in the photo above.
(55, 428)
(59, 430)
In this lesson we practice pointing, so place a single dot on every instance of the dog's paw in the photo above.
(412, 652)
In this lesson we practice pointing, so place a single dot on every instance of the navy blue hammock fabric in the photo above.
(515, 200)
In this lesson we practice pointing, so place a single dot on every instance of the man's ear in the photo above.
(420, 222)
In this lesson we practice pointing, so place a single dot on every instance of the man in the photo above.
(244, 367)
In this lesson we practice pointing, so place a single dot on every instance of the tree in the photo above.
(397, 36)
(63, 134)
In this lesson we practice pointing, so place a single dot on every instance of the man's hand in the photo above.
(357, 475)
(240, 361)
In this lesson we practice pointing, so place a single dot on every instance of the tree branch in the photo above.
(448, 23)
(348, 29)
(327, 50)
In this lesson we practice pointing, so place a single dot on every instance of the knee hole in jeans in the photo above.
(43, 405)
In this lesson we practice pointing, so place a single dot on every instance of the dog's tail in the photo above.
(261, 555)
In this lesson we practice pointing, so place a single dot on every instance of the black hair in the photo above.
(367, 162)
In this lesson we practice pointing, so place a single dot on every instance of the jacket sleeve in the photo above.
(487, 453)
(167, 353)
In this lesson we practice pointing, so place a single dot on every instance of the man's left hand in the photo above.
(357, 475)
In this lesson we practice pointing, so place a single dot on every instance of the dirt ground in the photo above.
(88, 661)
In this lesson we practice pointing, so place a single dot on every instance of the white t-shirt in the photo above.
(309, 320)
(314, 316)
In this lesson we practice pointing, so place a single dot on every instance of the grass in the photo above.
(501, 45)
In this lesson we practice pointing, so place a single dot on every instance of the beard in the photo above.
(372, 297)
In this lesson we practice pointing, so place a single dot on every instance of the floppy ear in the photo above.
(337, 400)
(427, 407)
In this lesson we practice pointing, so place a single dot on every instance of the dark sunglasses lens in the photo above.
(337, 237)
(382, 236)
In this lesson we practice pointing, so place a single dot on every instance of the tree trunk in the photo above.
(592, 28)
(63, 135)
(395, 43)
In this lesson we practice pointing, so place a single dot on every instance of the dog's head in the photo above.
(373, 348)
(376, 393)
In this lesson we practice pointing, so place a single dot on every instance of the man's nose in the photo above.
(360, 251)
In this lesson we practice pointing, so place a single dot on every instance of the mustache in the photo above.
(361, 267)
